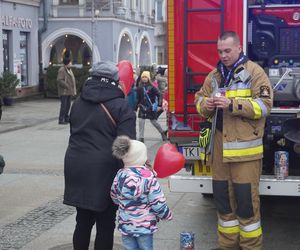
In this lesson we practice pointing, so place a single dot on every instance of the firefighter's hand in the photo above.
(221, 102)
(209, 104)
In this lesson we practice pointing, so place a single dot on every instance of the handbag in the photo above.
(154, 105)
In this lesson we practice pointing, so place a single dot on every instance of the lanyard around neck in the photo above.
(229, 74)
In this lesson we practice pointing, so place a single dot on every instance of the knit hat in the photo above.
(105, 69)
(146, 74)
(132, 152)
(67, 57)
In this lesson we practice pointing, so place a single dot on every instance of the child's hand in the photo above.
(149, 165)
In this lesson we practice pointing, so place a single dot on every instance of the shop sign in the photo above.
(16, 22)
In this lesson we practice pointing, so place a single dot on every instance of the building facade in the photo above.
(160, 31)
(19, 41)
(35, 34)
(95, 30)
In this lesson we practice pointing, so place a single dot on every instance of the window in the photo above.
(24, 58)
(70, 2)
(132, 4)
(6, 42)
(159, 15)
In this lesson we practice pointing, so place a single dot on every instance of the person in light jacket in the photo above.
(66, 86)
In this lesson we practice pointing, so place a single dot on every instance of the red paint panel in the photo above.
(285, 13)
(203, 57)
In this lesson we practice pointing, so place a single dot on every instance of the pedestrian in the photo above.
(97, 117)
(162, 82)
(66, 86)
(139, 196)
(2, 164)
(0, 107)
(237, 96)
(148, 104)
(162, 79)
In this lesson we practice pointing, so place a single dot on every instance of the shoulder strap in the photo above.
(148, 98)
(108, 114)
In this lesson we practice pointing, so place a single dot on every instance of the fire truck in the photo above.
(270, 36)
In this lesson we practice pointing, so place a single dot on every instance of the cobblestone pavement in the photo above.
(17, 234)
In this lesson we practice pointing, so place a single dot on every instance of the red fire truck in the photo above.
(270, 35)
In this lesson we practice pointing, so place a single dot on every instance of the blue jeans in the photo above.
(143, 242)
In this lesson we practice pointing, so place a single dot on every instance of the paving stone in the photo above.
(17, 234)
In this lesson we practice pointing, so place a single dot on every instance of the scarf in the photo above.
(225, 80)
(227, 74)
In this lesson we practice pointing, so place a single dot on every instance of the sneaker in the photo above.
(141, 140)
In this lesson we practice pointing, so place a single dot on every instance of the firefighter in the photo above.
(237, 96)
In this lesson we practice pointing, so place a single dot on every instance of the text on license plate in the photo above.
(190, 153)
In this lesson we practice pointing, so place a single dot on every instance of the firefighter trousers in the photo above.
(236, 194)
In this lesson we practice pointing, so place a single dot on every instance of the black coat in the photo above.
(145, 109)
(89, 165)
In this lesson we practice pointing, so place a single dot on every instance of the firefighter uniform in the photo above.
(237, 153)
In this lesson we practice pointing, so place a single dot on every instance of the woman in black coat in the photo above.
(147, 95)
(89, 165)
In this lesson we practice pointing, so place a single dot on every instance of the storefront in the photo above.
(19, 43)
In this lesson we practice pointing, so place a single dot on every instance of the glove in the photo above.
(205, 133)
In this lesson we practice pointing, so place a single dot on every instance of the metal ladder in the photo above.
(187, 73)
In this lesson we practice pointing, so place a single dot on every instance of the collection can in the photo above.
(281, 165)
(187, 240)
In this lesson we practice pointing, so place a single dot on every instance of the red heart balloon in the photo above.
(168, 160)
(125, 75)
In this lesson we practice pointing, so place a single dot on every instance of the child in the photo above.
(139, 196)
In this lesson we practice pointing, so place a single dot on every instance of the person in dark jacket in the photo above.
(147, 95)
(89, 166)
(0, 108)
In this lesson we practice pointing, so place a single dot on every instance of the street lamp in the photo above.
(95, 13)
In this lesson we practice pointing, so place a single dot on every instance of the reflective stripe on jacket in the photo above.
(243, 122)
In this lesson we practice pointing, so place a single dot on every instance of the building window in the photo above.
(81, 54)
(69, 2)
(24, 58)
(159, 11)
(6, 42)
(132, 4)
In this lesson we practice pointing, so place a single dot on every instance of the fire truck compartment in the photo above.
(203, 184)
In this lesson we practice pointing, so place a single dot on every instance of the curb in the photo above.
(26, 125)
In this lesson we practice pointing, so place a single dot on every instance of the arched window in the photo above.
(80, 52)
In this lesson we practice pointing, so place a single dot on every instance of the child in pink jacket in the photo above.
(139, 196)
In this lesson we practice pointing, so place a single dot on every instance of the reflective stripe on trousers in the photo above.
(236, 193)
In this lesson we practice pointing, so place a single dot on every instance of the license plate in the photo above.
(190, 153)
